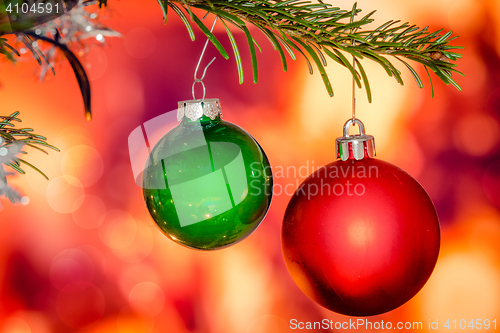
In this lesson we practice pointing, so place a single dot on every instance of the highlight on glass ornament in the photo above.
(207, 182)
(360, 236)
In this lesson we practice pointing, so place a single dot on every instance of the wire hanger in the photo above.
(200, 80)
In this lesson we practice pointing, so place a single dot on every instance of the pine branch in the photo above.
(15, 139)
(315, 29)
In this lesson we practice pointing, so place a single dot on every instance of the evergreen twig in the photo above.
(315, 28)
(23, 137)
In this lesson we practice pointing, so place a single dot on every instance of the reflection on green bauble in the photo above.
(208, 183)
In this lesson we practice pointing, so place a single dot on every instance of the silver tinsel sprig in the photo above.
(80, 30)
(8, 153)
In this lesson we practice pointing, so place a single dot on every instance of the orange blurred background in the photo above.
(84, 254)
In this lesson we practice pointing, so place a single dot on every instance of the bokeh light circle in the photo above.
(132, 275)
(268, 324)
(98, 260)
(124, 95)
(115, 187)
(25, 200)
(63, 192)
(15, 325)
(140, 43)
(477, 134)
(84, 163)
(97, 63)
(463, 286)
(147, 299)
(471, 9)
(89, 212)
(73, 136)
(141, 246)
(71, 267)
(129, 322)
(491, 182)
(117, 229)
(80, 307)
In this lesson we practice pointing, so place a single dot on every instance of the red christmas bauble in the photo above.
(360, 237)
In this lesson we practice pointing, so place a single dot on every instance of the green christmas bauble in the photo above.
(207, 183)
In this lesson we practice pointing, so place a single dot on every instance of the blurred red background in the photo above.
(84, 255)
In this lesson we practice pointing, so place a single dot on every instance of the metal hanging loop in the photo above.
(354, 122)
(357, 146)
(200, 80)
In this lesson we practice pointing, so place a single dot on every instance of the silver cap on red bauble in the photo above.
(357, 146)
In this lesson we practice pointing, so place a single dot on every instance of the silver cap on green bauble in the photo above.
(361, 145)
(196, 108)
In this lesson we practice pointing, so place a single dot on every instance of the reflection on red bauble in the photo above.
(360, 237)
